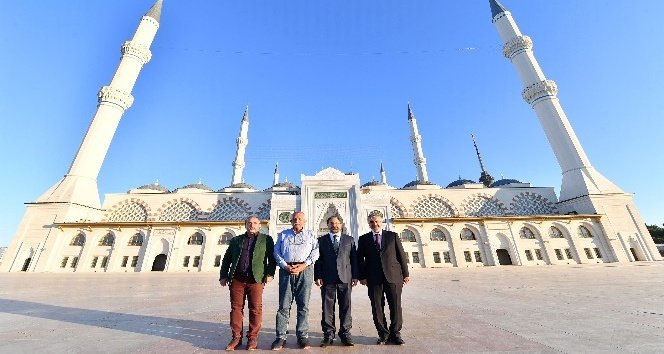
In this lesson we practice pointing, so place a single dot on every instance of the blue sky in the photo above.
(327, 83)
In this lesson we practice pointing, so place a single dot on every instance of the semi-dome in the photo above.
(503, 182)
(460, 182)
(372, 183)
(197, 186)
(240, 185)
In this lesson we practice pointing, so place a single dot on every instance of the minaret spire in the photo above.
(416, 140)
(275, 180)
(579, 176)
(383, 175)
(485, 177)
(241, 141)
(79, 185)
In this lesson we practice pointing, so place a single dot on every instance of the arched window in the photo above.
(526, 233)
(555, 232)
(136, 240)
(584, 232)
(196, 239)
(438, 235)
(225, 239)
(407, 236)
(78, 240)
(107, 240)
(467, 234)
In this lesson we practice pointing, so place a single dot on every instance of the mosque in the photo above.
(464, 224)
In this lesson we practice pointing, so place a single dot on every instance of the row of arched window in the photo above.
(468, 235)
(137, 239)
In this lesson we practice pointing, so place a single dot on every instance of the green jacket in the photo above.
(262, 264)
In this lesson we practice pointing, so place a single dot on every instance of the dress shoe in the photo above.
(278, 344)
(234, 343)
(326, 341)
(398, 341)
(252, 344)
(303, 343)
(347, 341)
(381, 341)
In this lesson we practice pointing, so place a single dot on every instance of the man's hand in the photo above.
(353, 282)
(223, 282)
(363, 282)
(296, 269)
(267, 279)
(406, 280)
(319, 282)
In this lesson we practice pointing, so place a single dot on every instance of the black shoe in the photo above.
(303, 343)
(347, 341)
(381, 340)
(326, 341)
(278, 344)
(398, 341)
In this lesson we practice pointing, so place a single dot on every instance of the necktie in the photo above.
(335, 244)
(378, 242)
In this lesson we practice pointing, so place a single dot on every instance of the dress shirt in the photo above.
(292, 247)
(376, 242)
(247, 254)
(338, 236)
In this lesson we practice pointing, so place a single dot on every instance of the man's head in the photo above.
(252, 224)
(298, 220)
(375, 222)
(334, 224)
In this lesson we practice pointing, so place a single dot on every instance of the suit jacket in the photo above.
(390, 261)
(262, 263)
(329, 265)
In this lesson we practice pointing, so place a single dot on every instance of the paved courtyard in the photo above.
(576, 309)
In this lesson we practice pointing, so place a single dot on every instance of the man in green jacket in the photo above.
(247, 265)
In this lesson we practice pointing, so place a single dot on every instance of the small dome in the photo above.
(372, 183)
(155, 187)
(417, 183)
(286, 185)
(460, 182)
(197, 186)
(239, 185)
(504, 181)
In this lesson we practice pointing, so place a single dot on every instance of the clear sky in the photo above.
(327, 83)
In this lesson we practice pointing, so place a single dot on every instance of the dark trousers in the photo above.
(377, 294)
(242, 288)
(331, 293)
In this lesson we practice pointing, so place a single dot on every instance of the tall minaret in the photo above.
(579, 176)
(383, 175)
(584, 190)
(485, 178)
(275, 180)
(416, 140)
(242, 141)
(79, 185)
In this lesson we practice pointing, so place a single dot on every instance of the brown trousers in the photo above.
(242, 288)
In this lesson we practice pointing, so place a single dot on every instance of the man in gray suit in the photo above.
(336, 272)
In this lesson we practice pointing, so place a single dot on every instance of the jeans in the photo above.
(298, 288)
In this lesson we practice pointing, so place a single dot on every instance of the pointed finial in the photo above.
(410, 112)
(276, 167)
(200, 180)
(155, 11)
(496, 8)
(157, 181)
(381, 167)
(485, 177)
(245, 116)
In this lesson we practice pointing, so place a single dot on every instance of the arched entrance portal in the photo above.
(159, 263)
(503, 257)
(26, 264)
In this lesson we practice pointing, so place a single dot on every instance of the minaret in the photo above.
(79, 185)
(416, 140)
(579, 176)
(584, 190)
(383, 175)
(242, 141)
(275, 180)
(485, 178)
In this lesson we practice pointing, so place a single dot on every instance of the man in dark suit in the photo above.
(335, 272)
(248, 265)
(384, 270)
